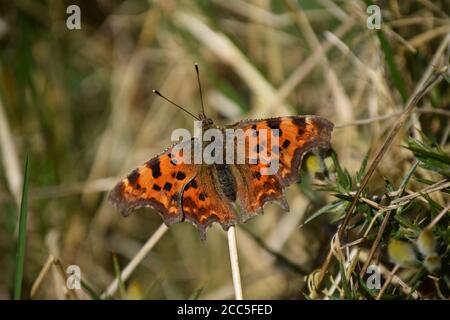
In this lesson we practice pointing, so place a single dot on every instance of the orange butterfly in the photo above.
(227, 193)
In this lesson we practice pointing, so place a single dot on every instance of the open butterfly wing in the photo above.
(296, 136)
(158, 183)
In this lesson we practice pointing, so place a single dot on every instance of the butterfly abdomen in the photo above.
(226, 181)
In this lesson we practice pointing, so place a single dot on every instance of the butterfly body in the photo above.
(224, 192)
(226, 181)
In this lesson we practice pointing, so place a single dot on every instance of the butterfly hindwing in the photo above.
(203, 203)
(254, 190)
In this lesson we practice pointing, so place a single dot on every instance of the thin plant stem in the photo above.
(60, 269)
(40, 278)
(234, 263)
(137, 259)
(438, 217)
(388, 281)
(21, 243)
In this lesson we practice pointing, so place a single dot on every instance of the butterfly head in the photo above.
(206, 122)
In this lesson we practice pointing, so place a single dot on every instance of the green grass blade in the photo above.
(390, 60)
(20, 257)
(332, 207)
(344, 281)
(119, 278)
(94, 295)
(395, 73)
(196, 294)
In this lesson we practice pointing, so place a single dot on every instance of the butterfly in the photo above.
(226, 193)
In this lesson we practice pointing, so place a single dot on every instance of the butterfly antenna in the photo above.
(200, 88)
(173, 103)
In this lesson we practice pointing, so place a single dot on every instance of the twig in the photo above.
(388, 280)
(60, 270)
(429, 189)
(426, 36)
(234, 263)
(136, 260)
(438, 217)
(359, 122)
(375, 243)
(38, 282)
(400, 202)
(445, 135)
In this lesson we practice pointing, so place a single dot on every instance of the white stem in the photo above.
(234, 263)
(137, 259)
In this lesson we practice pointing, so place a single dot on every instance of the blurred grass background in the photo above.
(79, 103)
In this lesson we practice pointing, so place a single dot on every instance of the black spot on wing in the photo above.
(133, 176)
(156, 187)
(286, 143)
(301, 125)
(191, 184)
(167, 186)
(274, 124)
(254, 130)
(299, 121)
(155, 167)
(180, 175)
(257, 175)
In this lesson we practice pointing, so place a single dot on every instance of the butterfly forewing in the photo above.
(295, 136)
(158, 184)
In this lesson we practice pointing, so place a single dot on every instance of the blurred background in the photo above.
(79, 104)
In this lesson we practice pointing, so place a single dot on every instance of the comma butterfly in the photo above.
(227, 193)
